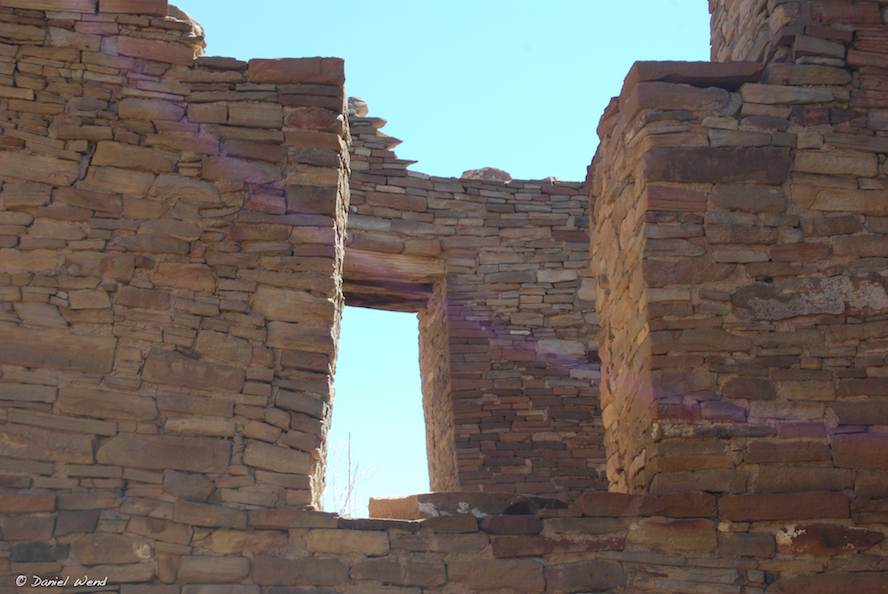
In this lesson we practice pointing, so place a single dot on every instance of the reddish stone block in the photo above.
(826, 540)
(52, 5)
(511, 525)
(717, 165)
(678, 199)
(23, 504)
(861, 450)
(790, 506)
(868, 582)
(159, 51)
(725, 75)
(329, 71)
(153, 7)
(800, 252)
(846, 13)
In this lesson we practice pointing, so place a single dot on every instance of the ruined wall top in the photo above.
(787, 30)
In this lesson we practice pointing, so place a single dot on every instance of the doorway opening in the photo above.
(377, 441)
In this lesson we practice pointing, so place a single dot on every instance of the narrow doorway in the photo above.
(377, 443)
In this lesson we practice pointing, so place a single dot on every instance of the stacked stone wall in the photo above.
(174, 255)
(516, 407)
(171, 241)
(763, 271)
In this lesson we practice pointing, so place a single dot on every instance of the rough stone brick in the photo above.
(298, 572)
(371, 543)
(825, 540)
(201, 514)
(167, 367)
(790, 506)
(678, 535)
(276, 458)
(298, 70)
(115, 549)
(34, 443)
(153, 7)
(38, 168)
(480, 574)
(151, 49)
(717, 165)
(213, 570)
(861, 450)
(196, 454)
(584, 576)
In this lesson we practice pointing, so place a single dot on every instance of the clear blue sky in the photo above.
(516, 84)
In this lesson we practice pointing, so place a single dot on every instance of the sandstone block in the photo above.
(196, 454)
(177, 187)
(285, 517)
(329, 71)
(781, 94)
(251, 172)
(142, 298)
(97, 201)
(748, 198)
(29, 528)
(226, 541)
(300, 337)
(666, 96)
(511, 525)
(25, 504)
(584, 576)
(871, 582)
(521, 575)
(255, 114)
(276, 458)
(133, 108)
(194, 487)
(38, 168)
(27, 393)
(835, 162)
(299, 572)
(674, 535)
(790, 506)
(116, 154)
(372, 543)
(404, 571)
(168, 367)
(152, 7)
(717, 165)
(826, 540)
(861, 450)
(193, 277)
(34, 443)
(52, 5)
(212, 516)
(107, 548)
(157, 50)
(224, 347)
(743, 544)
(287, 305)
(213, 570)
(301, 402)
(159, 529)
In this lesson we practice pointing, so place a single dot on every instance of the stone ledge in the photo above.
(150, 7)
(52, 5)
(329, 71)
(724, 75)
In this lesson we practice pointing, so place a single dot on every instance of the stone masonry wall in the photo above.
(172, 269)
(171, 240)
(763, 269)
(514, 404)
